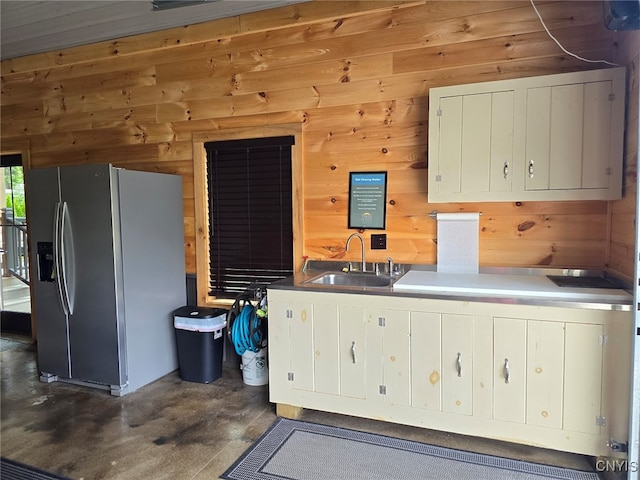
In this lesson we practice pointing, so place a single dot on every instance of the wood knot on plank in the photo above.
(546, 260)
(526, 225)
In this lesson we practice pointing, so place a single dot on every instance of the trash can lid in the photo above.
(189, 311)
(200, 319)
(209, 324)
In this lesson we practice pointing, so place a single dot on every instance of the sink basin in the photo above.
(352, 279)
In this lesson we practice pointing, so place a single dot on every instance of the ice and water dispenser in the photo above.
(46, 270)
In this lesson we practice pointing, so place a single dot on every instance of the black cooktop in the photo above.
(581, 282)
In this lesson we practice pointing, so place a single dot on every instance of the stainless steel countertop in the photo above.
(571, 297)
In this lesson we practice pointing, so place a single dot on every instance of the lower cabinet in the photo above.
(544, 376)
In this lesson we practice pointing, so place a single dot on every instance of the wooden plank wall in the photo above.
(357, 75)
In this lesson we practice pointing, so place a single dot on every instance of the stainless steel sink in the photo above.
(352, 279)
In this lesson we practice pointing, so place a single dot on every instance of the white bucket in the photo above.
(254, 367)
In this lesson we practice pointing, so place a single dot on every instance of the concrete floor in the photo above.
(169, 429)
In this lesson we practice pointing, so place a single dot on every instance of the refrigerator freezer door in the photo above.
(90, 254)
(52, 328)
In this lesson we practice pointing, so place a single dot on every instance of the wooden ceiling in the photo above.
(30, 26)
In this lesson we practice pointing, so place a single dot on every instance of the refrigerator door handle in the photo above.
(67, 257)
(60, 227)
(56, 256)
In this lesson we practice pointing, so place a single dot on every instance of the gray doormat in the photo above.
(296, 450)
(12, 470)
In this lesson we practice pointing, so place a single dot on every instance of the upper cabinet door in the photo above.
(448, 175)
(501, 146)
(600, 138)
(569, 137)
(565, 157)
(555, 137)
(475, 143)
(538, 138)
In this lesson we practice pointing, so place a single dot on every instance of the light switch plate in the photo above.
(379, 241)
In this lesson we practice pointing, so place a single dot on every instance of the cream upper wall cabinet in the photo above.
(554, 137)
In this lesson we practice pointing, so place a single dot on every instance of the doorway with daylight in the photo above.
(15, 301)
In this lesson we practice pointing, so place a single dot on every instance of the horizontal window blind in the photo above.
(250, 209)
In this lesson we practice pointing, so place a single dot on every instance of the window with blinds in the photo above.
(250, 213)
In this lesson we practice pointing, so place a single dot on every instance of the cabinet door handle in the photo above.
(353, 351)
(506, 370)
(459, 364)
(505, 170)
(530, 168)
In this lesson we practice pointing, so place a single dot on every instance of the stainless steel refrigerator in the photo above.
(108, 269)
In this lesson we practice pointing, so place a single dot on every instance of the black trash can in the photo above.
(200, 342)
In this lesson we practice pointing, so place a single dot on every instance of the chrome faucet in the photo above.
(364, 265)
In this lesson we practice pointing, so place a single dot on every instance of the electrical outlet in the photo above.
(379, 241)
